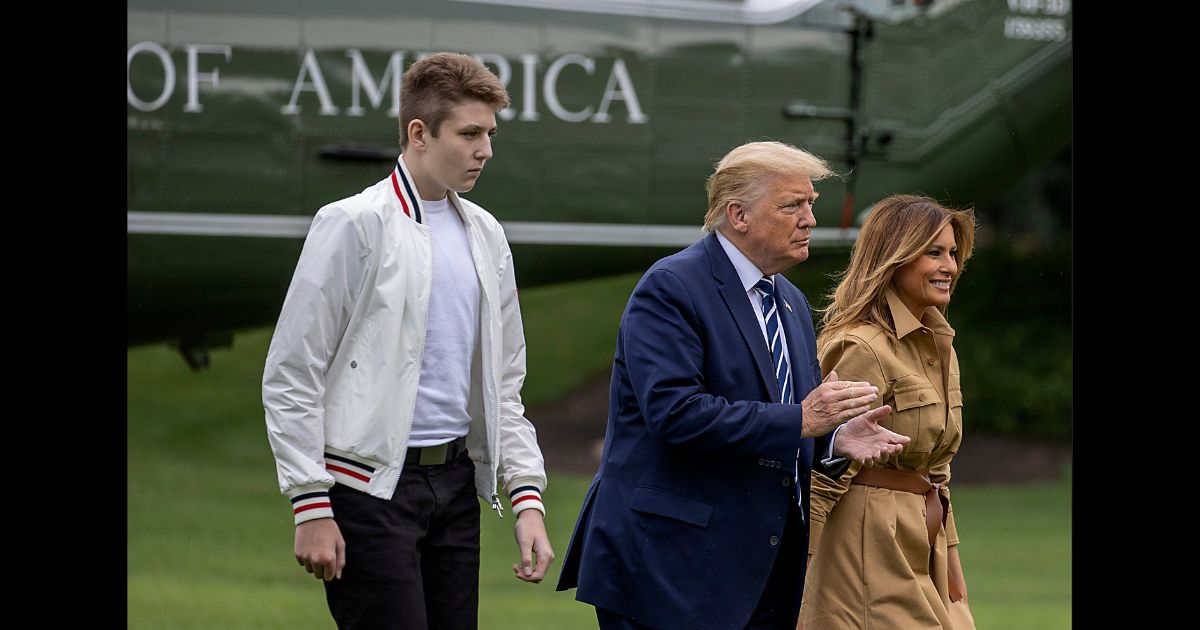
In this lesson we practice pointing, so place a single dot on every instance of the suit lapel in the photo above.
(730, 288)
(797, 343)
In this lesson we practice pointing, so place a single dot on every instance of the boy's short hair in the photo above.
(432, 86)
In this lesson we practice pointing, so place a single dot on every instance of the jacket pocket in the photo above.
(352, 382)
(663, 523)
(915, 401)
(662, 503)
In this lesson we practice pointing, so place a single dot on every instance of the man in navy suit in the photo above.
(697, 517)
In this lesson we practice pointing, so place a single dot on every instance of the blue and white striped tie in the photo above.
(783, 372)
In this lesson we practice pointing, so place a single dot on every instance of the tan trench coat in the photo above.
(870, 564)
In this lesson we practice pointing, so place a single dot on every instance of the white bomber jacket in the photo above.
(340, 382)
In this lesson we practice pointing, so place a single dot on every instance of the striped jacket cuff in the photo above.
(310, 503)
(526, 497)
(349, 471)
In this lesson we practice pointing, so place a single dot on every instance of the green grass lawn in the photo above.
(210, 537)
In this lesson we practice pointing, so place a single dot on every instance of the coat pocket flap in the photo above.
(663, 503)
(955, 396)
(911, 396)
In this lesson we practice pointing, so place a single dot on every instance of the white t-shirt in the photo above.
(451, 332)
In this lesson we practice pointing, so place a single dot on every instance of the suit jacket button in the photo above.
(354, 364)
(774, 540)
(787, 481)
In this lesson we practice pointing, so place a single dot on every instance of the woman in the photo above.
(883, 547)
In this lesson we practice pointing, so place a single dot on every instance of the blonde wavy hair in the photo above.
(745, 172)
(898, 230)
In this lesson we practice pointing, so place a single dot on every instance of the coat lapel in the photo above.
(797, 343)
(730, 288)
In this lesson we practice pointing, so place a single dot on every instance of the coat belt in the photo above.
(937, 503)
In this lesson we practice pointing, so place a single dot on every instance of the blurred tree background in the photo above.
(1013, 310)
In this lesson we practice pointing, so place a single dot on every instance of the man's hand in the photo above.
(531, 541)
(863, 440)
(833, 402)
(320, 548)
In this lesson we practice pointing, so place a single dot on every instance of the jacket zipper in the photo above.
(493, 427)
(495, 406)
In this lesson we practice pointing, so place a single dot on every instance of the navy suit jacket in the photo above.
(681, 525)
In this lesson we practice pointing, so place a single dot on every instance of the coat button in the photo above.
(787, 481)
(931, 360)
(354, 364)
(921, 397)
(774, 540)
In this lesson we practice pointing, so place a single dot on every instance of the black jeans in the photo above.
(412, 563)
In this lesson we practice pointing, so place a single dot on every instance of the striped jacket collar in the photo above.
(406, 192)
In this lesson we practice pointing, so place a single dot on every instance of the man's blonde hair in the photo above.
(744, 173)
